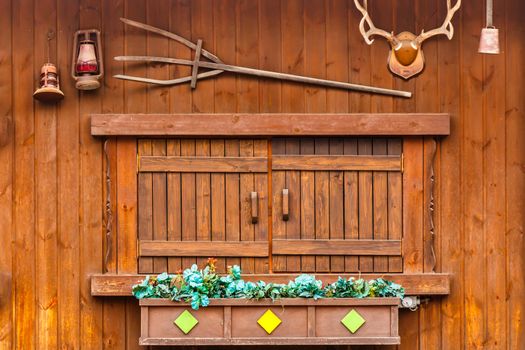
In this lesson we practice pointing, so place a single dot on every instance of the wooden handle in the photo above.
(255, 207)
(286, 214)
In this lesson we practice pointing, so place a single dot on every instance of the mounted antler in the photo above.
(372, 28)
(406, 57)
(446, 28)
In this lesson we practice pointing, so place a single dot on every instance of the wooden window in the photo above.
(194, 198)
(329, 197)
(209, 197)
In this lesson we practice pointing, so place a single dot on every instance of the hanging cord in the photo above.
(490, 10)
(50, 36)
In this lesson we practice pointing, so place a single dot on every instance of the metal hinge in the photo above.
(402, 163)
(410, 302)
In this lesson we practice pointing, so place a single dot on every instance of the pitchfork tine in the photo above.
(175, 37)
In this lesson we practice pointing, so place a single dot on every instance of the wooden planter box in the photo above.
(303, 321)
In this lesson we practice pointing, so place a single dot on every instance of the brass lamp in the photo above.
(49, 85)
(87, 67)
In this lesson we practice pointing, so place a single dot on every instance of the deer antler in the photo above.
(372, 29)
(446, 28)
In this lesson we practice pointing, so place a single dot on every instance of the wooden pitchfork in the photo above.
(219, 67)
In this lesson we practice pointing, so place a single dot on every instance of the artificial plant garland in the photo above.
(198, 286)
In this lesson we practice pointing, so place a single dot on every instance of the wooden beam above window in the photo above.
(277, 124)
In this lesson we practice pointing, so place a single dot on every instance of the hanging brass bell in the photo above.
(489, 41)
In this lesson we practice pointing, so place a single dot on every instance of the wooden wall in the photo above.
(51, 173)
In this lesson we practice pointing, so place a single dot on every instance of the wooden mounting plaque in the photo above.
(303, 321)
(269, 124)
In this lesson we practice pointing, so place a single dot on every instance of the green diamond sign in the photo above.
(353, 321)
(186, 322)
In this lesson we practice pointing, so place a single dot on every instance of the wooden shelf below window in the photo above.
(414, 283)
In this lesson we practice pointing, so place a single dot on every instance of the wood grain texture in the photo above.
(203, 164)
(68, 162)
(479, 166)
(6, 180)
(336, 162)
(203, 249)
(336, 247)
(243, 124)
(514, 182)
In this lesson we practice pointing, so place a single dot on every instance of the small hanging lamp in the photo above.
(489, 40)
(49, 85)
(87, 67)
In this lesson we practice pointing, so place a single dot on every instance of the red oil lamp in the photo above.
(87, 67)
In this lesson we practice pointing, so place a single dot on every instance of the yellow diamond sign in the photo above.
(269, 321)
(353, 321)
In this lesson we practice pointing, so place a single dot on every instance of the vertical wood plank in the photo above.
(180, 101)
(380, 204)
(395, 205)
(225, 101)
(115, 317)
(246, 183)
(91, 223)
(336, 34)
(294, 228)
(430, 336)
(293, 101)
(112, 102)
(46, 189)
(473, 184)
(201, 28)
(315, 101)
(278, 184)
(246, 49)
(160, 219)
(68, 203)
(202, 101)
(413, 198)
(359, 60)
(247, 37)
(157, 13)
(135, 101)
(515, 162)
(202, 198)
(351, 205)
(174, 204)
(233, 208)
(322, 205)
(270, 53)
(336, 205)
(218, 202)
(495, 182)
(188, 197)
(307, 202)
(366, 223)
(404, 20)
(260, 149)
(145, 206)
(6, 178)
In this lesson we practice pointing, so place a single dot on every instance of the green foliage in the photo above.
(198, 286)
